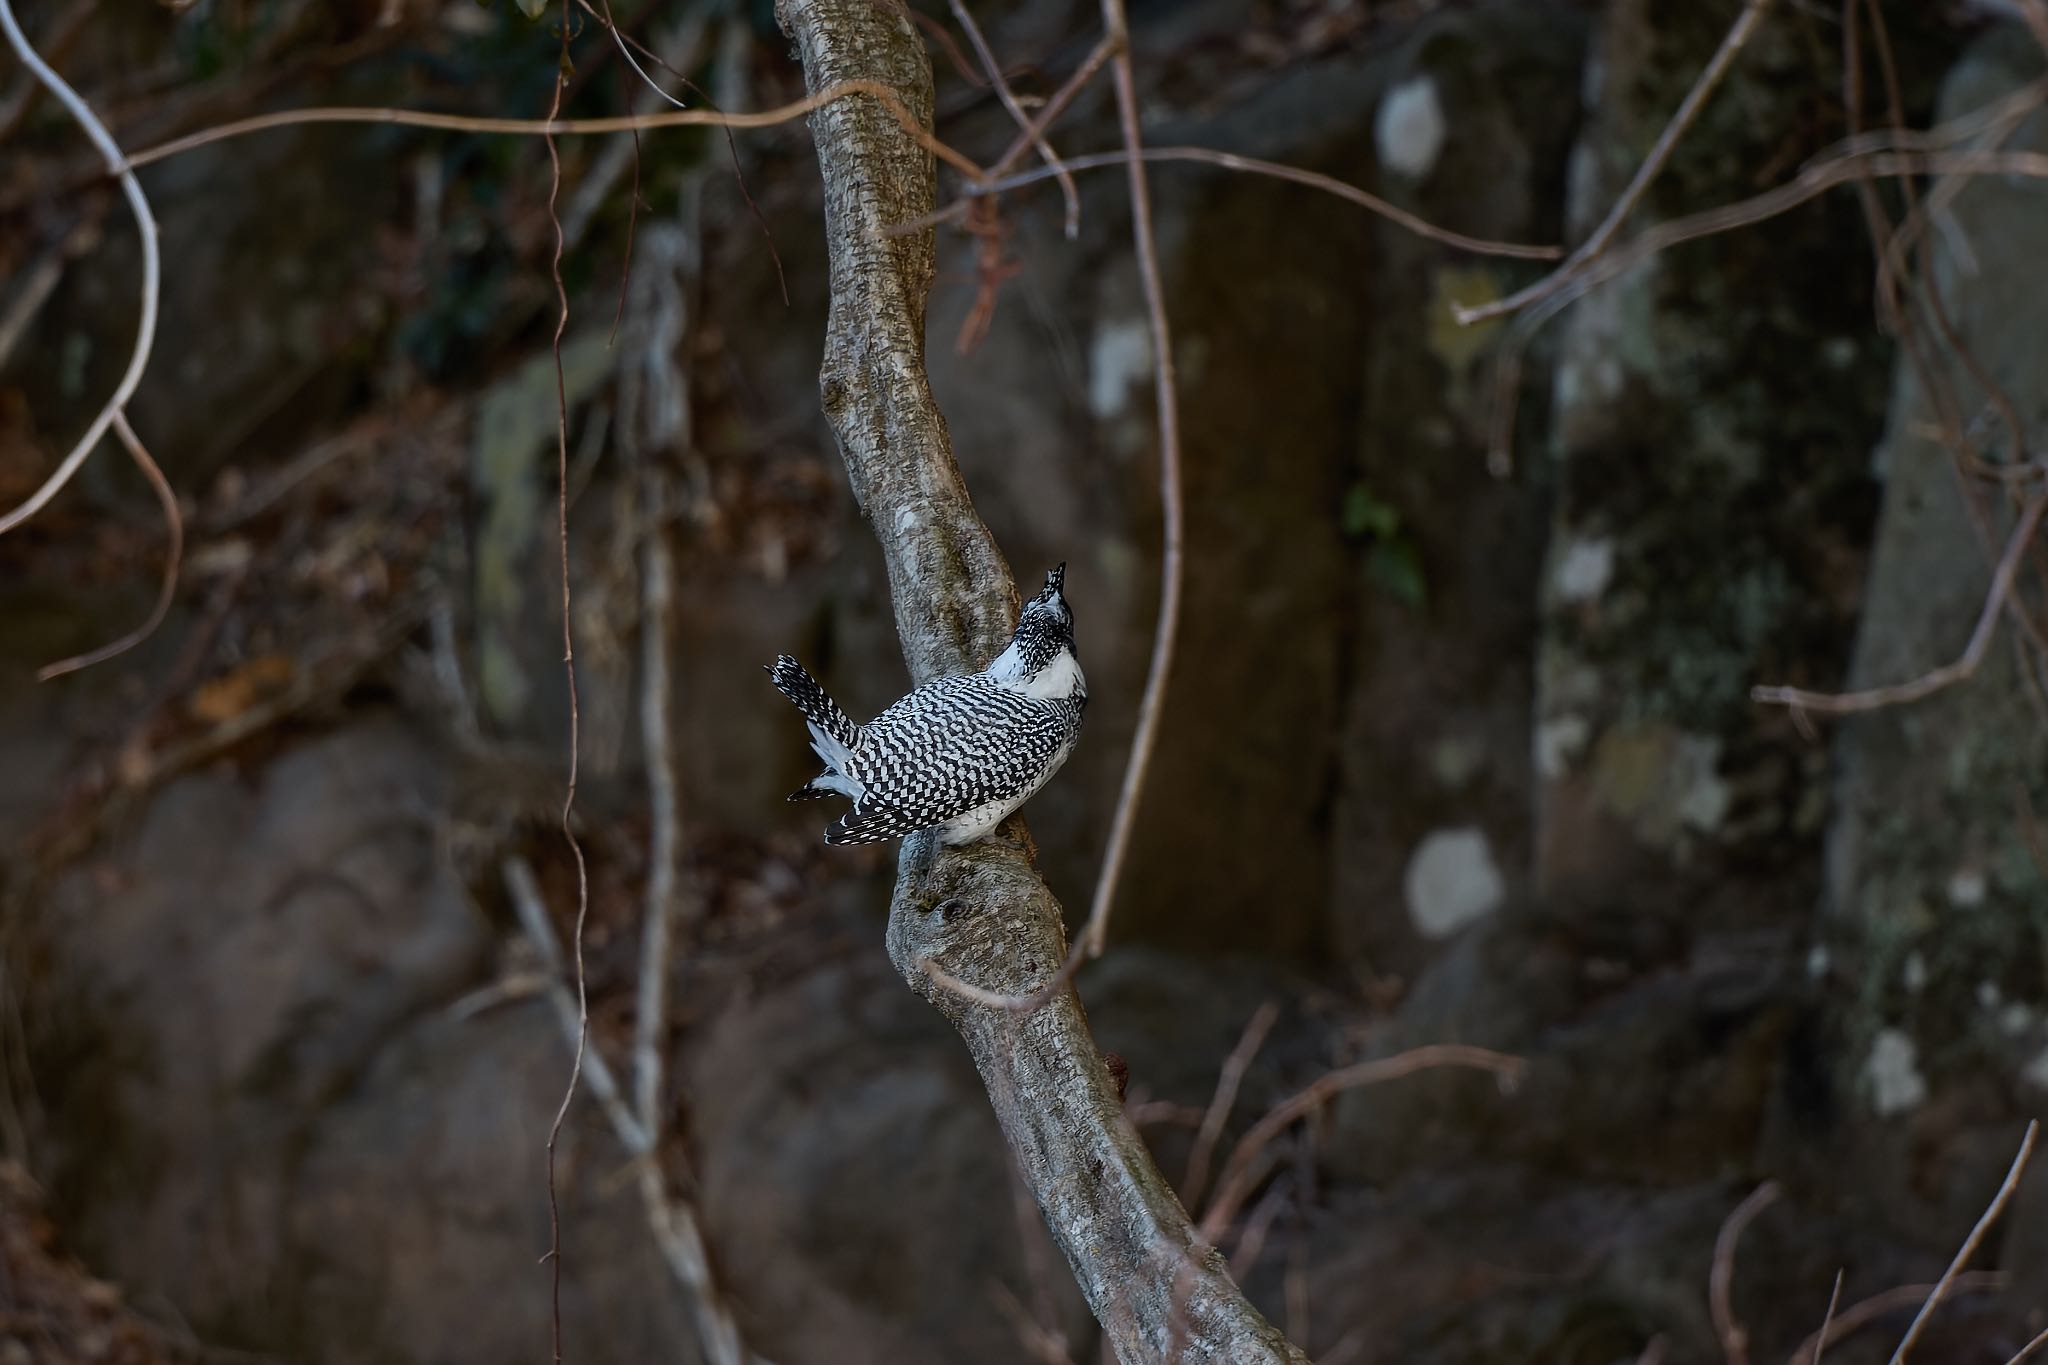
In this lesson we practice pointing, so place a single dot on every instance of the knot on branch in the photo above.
(973, 921)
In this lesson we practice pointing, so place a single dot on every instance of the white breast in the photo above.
(1057, 681)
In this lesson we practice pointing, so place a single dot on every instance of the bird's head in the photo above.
(1045, 631)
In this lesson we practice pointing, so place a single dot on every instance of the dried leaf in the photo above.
(233, 692)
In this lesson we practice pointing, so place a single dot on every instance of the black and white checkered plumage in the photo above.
(956, 755)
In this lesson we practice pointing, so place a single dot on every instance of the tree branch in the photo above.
(981, 913)
(152, 269)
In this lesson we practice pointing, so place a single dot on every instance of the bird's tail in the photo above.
(827, 721)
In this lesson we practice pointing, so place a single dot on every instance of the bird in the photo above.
(958, 754)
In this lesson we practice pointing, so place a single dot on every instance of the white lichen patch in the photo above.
(1967, 888)
(1409, 129)
(1892, 1072)
(1558, 742)
(1705, 798)
(1119, 357)
(1584, 570)
(1452, 881)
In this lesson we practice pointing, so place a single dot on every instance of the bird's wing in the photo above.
(869, 822)
(953, 745)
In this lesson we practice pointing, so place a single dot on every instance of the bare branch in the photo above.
(522, 888)
(1166, 394)
(1236, 1182)
(554, 1256)
(1227, 1082)
(2031, 1349)
(1125, 1235)
(556, 127)
(1653, 165)
(659, 643)
(1721, 1278)
(655, 428)
(174, 524)
(1859, 1315)
(1969, 1246)
(1024, 124)
(673, 1221)
(1927, 684)
(145, 225)
(1827, 1320)
(1249, 165)
(1108, 47)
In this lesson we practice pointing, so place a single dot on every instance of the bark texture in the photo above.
(982, 914)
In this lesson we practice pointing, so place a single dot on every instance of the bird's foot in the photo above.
(920, 855)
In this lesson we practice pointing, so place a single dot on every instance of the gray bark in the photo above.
(982, 914)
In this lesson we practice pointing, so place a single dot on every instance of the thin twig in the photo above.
(174, 524)
(522, 888)
(1844, 703)
(569, 670)
(1024, 124)
(673, 1221)
(1228, 1079)
(1969, 1246)
(2029, 1350)
(1167, 396)
(1721, 1278)
(145, 226)
(619, 39)
(1817, 179)
(553, 126)
(729, 59)
(1235, 1182)
(1249, 165)
(1108, 47)
(1827, 1320)
(1667, 142)
(1258, 1226)
(1859, 1315)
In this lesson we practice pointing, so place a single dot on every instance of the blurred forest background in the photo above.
(1460, 745)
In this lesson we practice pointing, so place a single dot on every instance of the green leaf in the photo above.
(532, 9)
(1365, 515)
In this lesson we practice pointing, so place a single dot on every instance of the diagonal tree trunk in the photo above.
(982, 914)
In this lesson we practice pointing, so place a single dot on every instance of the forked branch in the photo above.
(981, 914)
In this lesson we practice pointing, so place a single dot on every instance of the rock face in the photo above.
(1933, 889)
(1713, 410)
(1479, 747)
